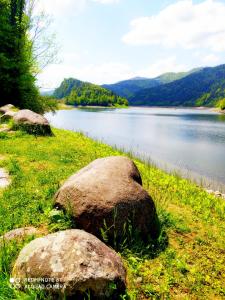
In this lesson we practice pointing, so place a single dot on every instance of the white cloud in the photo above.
(183, 24)
(99, 74)
(161, 66)
(210, 59)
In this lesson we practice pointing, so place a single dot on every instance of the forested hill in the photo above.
(128, 88)
(201, 88)
(76, 92)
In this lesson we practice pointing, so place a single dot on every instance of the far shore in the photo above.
(63, 106)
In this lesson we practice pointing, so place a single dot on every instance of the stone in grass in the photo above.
(4, 178)
(9, 115)
(19, 234)
(106, 196)
(74, 259)
(32, 122)
(6, 108)
(4, 128)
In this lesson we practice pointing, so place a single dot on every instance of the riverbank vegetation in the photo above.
(186, 262)
(79, 93)
(221, 104)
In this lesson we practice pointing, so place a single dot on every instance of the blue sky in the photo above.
(105, 41)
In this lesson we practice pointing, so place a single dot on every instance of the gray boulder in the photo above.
(75, 260)
(32, 122)
(107, 196)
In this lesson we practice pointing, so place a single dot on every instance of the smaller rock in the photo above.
(9, 115)
(4, 128)
(74, 259)
(19, 233)
(223, 196)
(218, 194)
(32, 122)
(4, 178)
(6, 108)
(210, 191)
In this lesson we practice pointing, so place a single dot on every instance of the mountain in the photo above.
(171, 76)
(128, 88)
(77, 92)
(203, 87)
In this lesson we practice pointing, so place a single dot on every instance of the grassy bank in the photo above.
(188, 260)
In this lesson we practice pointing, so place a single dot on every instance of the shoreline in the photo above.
(62, 106)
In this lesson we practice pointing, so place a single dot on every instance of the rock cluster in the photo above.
(26, 120)
(106, 199)
(108, 192)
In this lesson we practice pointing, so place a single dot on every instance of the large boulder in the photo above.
(32, 122)
(106, 197)
(6, 108)
(75, 260)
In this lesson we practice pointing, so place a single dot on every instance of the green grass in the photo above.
(187, 261)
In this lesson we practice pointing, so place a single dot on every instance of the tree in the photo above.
(17, 58)
(43, 44)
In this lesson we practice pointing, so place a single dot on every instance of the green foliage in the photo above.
(201, 88)
(221, 104)
(17, 82)
(83, 93)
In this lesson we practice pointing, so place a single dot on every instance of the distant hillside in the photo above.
(204, 87)
(76, 92)
(171, 76)
(128, 88)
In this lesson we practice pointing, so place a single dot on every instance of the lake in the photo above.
(191, 141)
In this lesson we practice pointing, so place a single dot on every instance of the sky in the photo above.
(106, 41)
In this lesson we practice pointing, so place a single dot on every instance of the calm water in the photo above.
(189, 140)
